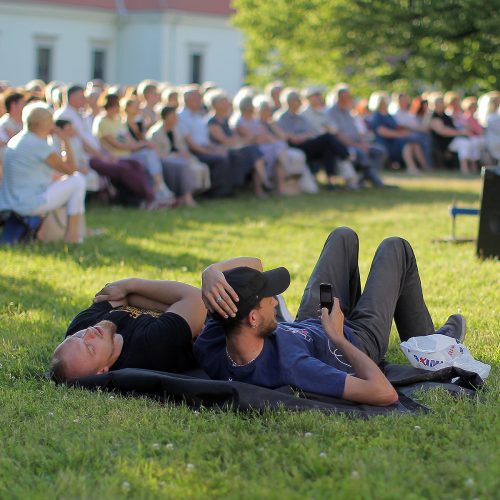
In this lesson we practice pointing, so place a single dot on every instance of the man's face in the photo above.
(193, 101)
(267, 317)
(345, 100)
(17, 107)
(404, 101)
(89, 351)
(152, 97)
(294, 104)
(78, 99)
(316, 101)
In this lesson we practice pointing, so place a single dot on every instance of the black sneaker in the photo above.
(454, 327)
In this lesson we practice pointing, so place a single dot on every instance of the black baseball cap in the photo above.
(251, 286)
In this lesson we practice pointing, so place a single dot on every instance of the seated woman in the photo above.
(30, 160)
(398, 141)
(183, 172)
(447, 136)
(248, 156)
(116, 139)
(251, 130)
(293, 159)
(469, 105)
(178, 179)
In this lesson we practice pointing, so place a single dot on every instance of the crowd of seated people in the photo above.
(156, 145)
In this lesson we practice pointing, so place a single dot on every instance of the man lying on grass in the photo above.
(337, 355)
(133, 323)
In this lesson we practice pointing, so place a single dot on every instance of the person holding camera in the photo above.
(337, 354)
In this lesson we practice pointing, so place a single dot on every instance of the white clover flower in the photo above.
(156, 446)
(355, 474)
(126, 486)
(189, 466)
(169, 446)
(322, 454)
(308, 434)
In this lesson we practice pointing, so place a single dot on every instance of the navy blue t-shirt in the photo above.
(298, 354)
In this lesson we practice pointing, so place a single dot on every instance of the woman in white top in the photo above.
(30, 162)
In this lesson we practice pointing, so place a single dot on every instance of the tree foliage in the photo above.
(399, 44)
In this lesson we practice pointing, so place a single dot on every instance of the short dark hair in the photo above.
(11, 99)
(231, 324)
(73, 89)
(109, 101)
(167, 110)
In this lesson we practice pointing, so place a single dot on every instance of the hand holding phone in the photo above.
(326, 296)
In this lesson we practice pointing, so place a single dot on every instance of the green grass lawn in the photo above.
(57, 442)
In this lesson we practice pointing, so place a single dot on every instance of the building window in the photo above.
(44, 63)
(196, 67)
(99, 64)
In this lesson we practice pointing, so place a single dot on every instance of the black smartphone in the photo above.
(326, 296)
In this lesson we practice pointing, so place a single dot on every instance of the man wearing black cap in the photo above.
(336, 355)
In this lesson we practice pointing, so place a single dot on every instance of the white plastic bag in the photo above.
(435, 352)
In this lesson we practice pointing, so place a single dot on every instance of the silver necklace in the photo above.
(237, 364)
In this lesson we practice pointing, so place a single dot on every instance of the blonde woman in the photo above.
(31, 158)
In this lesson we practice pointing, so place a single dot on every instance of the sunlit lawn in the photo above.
(57, 442)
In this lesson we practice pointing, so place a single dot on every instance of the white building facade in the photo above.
(120, 41)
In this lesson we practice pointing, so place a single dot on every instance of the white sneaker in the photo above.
(164, 196)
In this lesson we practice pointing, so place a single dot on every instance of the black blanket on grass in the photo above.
(196, 390)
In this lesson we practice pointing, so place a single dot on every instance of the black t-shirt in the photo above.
(151, 340)
(443, 141)
(171, 138)
(140, 126)
(224, 125)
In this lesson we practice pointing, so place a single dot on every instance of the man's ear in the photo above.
(103, 370)
(252, 318)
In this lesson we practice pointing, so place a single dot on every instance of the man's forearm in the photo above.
(144, 303)
(160, 291)
(196, 148)
(369, 385)
(363, 365)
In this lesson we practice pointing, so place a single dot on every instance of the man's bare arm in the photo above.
(180, 298)
(369, 385)
(194, 147)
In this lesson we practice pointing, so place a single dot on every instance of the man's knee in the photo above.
(345, 234)
(398, 244)
(78, 180)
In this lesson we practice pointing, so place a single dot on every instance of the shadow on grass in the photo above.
(224, 219)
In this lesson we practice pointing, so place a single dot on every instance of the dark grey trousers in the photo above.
(392, 290)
